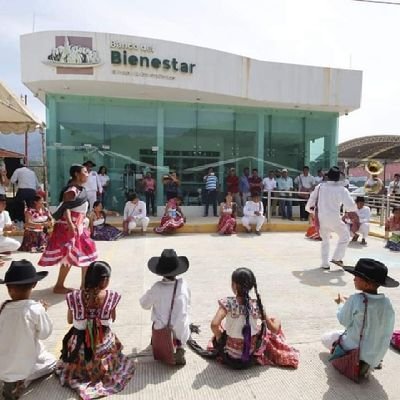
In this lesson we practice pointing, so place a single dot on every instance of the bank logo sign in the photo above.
(73, 55)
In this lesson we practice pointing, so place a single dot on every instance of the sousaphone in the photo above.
(374, 168)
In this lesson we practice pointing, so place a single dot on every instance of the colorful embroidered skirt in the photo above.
(34, 241)
(106, 232)
(393, 243)
(226, 225)
(72, 248)
(169, 224)
(108, 372)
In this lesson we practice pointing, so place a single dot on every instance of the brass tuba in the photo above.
(374, 168)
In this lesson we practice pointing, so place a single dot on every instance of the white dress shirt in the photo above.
(137, 211)
(23, 324)
(4, 220)
(307, 182)
(364, 214)
(159, 299)
(93, 183)
(251, 207)
(269, 184)
(25, 178)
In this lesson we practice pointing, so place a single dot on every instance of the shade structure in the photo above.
(14, 115)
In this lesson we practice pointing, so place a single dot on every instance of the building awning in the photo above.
(10, 154)
(14, 115)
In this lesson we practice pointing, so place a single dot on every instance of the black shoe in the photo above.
(180, 356)
(363, 242)
(13, 390)
(258, 233)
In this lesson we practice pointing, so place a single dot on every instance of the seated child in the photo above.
(92, 362)
(159, 296)
(368, 274)
(23, 324)
(240, 343)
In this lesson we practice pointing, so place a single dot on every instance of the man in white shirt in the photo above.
(305, 184)
(327, 198)
(269, 184)
(364, 215)
(27, 183)
(253, 214)
(93, 184)
(394, 187)
(135, 214)
(7, 244)
(285, 183)
(319, 178)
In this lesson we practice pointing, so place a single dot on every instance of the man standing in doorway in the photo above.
(244, 185)
(93, 184)
(211, 182)
(305, 184)
(327, 199)
(27, 183)
(269, 185)
(285, 184)
(255, 183)
(232, 187)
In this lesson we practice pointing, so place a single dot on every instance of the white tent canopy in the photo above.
(14, 115)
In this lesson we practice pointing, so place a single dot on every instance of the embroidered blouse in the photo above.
(38, 217)
(81, 315)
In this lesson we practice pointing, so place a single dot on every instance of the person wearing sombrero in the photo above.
(368, 274)
(159, 297)
(93, 184)
(325, 201)
(23, 324)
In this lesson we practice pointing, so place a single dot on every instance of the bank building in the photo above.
(136, 104)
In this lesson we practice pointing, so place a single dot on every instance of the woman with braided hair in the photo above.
(240, 342)
(92, 362)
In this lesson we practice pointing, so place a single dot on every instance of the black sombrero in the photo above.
(169, 264)
(22, 272)
(372, 270)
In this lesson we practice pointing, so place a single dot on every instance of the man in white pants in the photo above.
(93, 184)
(7, 244)
(135, 214)
(327, 197)
(253, 213)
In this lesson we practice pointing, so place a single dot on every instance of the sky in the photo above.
(331, 33)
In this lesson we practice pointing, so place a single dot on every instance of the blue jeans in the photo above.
(285, 207)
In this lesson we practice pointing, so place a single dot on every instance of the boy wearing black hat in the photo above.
(159, 296)
(23, 324)
(368, 274)
(327, 198)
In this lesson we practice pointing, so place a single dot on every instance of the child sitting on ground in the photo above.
(159, 297)
(92, 362)
(23, 324)
(368, 274)
(241, 343)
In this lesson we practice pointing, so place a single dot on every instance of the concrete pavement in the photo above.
(292, 288)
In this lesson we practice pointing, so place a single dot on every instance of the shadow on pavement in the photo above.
(341, 387)
(48, 295)
(318, 277)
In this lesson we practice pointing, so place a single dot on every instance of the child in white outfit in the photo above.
(159, 296)
(23, 324)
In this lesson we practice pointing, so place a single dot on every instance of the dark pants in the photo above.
(285, 207)
(303, 212)
(150, 201)
(211, 198)
(23, 197)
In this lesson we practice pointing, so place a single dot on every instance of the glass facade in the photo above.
(131, 137)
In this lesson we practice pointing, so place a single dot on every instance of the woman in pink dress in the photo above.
(70, 242)
(173, 218)
(227, 219)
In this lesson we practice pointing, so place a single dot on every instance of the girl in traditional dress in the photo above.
(92, 362)
(38, 221)
(241, 342)
(227, 219)
(173, 218)
(70, 243)
(393, 225)
(99, 229)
